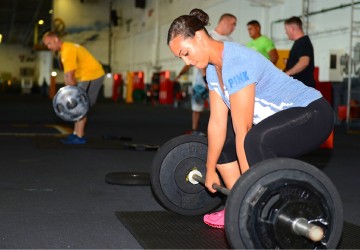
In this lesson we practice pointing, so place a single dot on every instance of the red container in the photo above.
(166, 88)
(117, 87)
(138, 80)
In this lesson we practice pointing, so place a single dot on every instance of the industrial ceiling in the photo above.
(19, 20)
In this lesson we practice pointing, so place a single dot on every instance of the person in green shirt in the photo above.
(261, 43)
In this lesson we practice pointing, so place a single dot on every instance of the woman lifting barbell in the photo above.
(271, 114)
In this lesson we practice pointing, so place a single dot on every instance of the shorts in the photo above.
(197, 106)
(290, 133)
(228, 153)
(92, 87)
(199, 95)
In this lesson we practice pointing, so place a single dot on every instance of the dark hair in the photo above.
(187, 25)
(253, 22)
(294, 20)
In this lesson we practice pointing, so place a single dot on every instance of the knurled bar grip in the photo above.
(219, 188)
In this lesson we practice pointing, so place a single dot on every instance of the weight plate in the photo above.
(128, 178)
(71, 103)
(141, 147)
(170, 167)
(282, 186)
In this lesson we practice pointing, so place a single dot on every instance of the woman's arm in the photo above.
(216, 137)
(242, 112)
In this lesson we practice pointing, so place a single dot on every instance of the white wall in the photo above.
(14, 57)
(139, 41)
(82, 15)
(85, 23)
(328, 30)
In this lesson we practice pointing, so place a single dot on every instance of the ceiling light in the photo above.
(41, 22)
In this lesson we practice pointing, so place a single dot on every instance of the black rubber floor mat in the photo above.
(350, 237)
(166, 230)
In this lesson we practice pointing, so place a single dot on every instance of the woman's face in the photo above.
(191, 50)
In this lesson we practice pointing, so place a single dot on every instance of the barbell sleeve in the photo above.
(219, 188)
(302, 227)
(299, 226)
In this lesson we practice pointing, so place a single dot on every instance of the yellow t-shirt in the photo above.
(76, 57)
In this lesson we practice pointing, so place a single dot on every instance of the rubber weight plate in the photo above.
(169, 170)
(128, 178)
(282, 186)
(71, 103)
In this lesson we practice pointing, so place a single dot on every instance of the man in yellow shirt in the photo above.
(81, 69)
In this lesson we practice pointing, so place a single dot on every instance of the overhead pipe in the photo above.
(314, 13)
(350, 67)
(27, 35)
(110, 36)
(306, 5)
(13, 18)
(155, 54)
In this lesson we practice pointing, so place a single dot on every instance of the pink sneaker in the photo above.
(216, 219)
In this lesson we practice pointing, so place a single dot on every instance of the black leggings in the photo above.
(289, 133)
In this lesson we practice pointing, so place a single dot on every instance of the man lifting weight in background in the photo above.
(81, 69)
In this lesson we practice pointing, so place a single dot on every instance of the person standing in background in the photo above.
(224, 28)
(300, 64)
(261, 43)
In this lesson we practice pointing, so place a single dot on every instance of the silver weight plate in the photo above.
(71, 103)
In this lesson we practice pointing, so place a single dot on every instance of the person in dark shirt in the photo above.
(300, 64)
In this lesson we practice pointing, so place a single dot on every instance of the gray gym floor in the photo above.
(55, 196)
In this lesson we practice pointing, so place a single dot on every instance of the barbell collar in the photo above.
(303, 227)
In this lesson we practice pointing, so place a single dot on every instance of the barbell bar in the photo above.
(299, 226)
(195, 177)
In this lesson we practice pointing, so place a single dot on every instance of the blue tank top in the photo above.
(274, 90)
